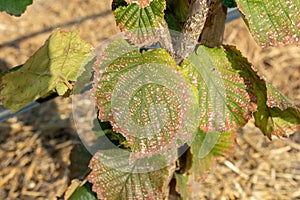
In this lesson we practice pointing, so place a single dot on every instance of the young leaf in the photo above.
(275, 115)
(222, 93)
(14, 7)
(50, 69)
(141, 18)
(145, 98)
(206, 147)
(121, 180)
(272, 22)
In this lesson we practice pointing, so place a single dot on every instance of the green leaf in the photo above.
(141, 20)
(229, 3)
(10, 70)
(284, 116)
(182, 186)
(79, 158)
(206, 147)
(172, 22)
(179, 8)
(51, 69)
(121, 180)
(222, 93)
(14, 7)
(176, 13)
(273, 22)
(275, 114)
(83, 193)
(145, 98)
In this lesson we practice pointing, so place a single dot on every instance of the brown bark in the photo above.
(213, 32)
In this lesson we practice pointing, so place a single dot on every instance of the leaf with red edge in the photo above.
(272, 22)
(284, 116)
(141, 3)
(145, 98)
(118, 179)
(275, 114)
(222, 93)
(141, 19)
(277, 99)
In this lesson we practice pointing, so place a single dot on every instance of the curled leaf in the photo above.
(275, 114)
(51, 69)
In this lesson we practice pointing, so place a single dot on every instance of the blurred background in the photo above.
(35, 146)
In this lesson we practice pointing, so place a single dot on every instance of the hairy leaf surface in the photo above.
(222, 93)
(273, 22)
(50, 69)
(141, 19)
(144, 97)
(121, 180)
(14, 7)
(275, 114)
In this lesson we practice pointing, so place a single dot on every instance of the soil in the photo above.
(35, 146)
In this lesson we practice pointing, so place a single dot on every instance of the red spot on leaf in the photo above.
(141, 3)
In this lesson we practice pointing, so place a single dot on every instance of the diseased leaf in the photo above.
(140, 3)
(283, 123)
(222, 93)
(275, 115)
(14, 7)
(121, 180)
(50, 69)
(277, 99)
(145, 98)
(206, 147)
(284, 116)
(141, 19)
(272, 22)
